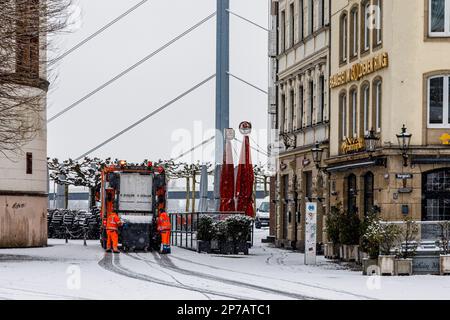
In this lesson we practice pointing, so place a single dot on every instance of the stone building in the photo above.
(23, 174)
(390, 67)
(302, 113)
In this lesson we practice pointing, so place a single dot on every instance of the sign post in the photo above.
(310, 233)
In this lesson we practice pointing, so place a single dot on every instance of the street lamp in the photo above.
(371, 141)
(404, 140)
(317, 153)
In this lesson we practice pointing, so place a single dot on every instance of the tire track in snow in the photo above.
(277, 279)
(166, 262)
(113, 265)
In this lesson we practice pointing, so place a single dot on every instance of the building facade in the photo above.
(23, 174)
(390, 67)
(302, 114)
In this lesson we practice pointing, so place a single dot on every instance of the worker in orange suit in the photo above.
(164, 228)
(113, 223)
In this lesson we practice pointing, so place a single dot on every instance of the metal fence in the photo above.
(185, 226)
(429, 234)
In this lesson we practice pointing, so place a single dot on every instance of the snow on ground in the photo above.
(74, 271)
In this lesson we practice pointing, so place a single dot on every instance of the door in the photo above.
(285, 204)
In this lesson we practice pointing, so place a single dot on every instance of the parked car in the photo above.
(263, 214)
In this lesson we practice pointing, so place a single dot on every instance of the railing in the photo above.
(429, 233)
(185, 226)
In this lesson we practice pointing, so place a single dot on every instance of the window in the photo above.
(343, 114)
(354, 112)
(311, 103)
(311, 17)
(291, 25)
(283, 32)
(354, 32)
(283, 113)
(378, 104)
(292, 107)
(365, 20)
(368, 192)
(308, 185)
(27, 37)
(365, 103)
(436, 195)
(351, 194)
(300, 107)
(343, 36)
(301, 20)
(378, 30)
(29, 163)
(321, 13)
(439, 18)
(321, 111)
(439, 102)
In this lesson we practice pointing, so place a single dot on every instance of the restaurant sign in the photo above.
(360, 70)
(352, 145)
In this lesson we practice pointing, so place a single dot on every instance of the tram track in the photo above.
(113, 264)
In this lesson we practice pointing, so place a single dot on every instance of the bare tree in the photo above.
(25, 27)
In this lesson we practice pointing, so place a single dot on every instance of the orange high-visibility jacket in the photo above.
(164, 222)
(113, 222)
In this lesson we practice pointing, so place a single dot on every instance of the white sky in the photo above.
(159, 80)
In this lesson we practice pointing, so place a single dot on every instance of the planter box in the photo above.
(226, 247)
(369, 263)
(403, 267)
(342, 254)
(331, 250)
(350, 253)
(239, 247)
(444, 264)
(204, 246)
(387, 265)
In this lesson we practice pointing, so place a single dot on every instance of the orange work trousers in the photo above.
(112, 239)
(165, 238)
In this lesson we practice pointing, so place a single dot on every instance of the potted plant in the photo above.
(389, 234)
(349, 235)
(407, 247)
(444, 244)
(371, 240)
(332, 229)
(205, 233)
(238, 227)
(221, 236)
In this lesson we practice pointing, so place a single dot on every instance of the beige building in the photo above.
(302, 113)
(23, 174)
(390, 66)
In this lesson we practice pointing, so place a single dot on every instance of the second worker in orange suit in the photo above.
(164, 228)
(113, 223)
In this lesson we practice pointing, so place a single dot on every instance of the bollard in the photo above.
(84, 238)
(67, 238)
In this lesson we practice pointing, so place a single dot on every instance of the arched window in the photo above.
(301, 108)
(343, 37)
(353, 112)
(354, 32)
(365, 109)
(368, 192)
(343, 116)
(365, 20)
(351, 193)
(439, 101)
(378, 30)
(377, 103)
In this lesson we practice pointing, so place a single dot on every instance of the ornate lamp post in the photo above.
(404, 140)
(371, 141)
(317, 153)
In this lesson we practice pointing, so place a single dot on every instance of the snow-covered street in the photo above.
(74, 271)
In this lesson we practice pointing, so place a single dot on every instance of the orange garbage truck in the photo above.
(132, 198)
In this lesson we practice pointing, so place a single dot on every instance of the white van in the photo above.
(263, 214)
